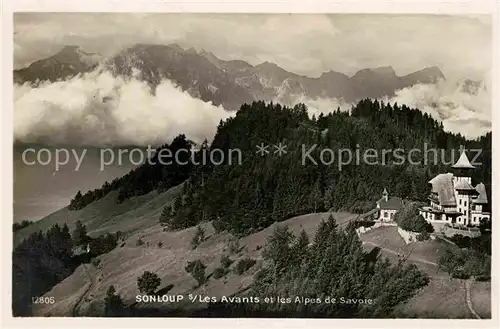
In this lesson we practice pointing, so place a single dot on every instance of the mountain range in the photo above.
(228, 83)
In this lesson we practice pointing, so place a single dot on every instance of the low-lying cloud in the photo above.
(463, 107)
(99, 109)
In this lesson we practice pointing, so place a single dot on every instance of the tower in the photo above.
(462, 169)
(463, 189)
(385, 195)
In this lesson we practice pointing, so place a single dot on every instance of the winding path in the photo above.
(468, 299)
(466, 282)
(78, 304)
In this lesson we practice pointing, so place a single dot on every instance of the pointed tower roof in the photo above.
(463, 162)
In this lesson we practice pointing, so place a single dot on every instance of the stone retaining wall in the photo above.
(450, 231)
(408, 236)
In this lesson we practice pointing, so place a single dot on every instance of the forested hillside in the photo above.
(264, 189)
(269, 188)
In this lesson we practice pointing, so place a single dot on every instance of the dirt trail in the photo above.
(92, 280)
(466, 282)
(468, 299)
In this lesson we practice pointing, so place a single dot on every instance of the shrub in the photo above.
(197, 270)
(198, 237)
(148, 282)
(423, 236)
(244, 265)
(103, 244)
(139, 242)
(218, 225)
(482, 278)
(225, 261)
(219, 272)
(460, 273)
(160, 244)
(96, 261)
(234, 246)
(364, 223)
(409, 219)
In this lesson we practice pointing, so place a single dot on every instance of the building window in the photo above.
(386, 214)
(465, 203)
(460, 201)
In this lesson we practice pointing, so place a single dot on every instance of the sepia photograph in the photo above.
(252, 165)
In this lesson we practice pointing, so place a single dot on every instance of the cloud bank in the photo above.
(464, 107)
(100, 110)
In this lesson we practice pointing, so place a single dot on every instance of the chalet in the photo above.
(388, 207)
(454, 200)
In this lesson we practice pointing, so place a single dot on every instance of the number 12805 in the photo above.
(43, 300)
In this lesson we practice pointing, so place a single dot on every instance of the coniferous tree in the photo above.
(113, 304)
(79, 235)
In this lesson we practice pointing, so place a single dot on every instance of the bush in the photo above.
(482, 278)
(409, 219)
(225, 261)
(197, 270)
(160, 244)
(461, 241)
(103, 244)
(198, 237)
(364, 223)
(139, 242)
(219, 272)
(96, 261)
(218, 225)
(460, 273)
(423, 236)
(148, 282)
(234, 246)
(244, 265)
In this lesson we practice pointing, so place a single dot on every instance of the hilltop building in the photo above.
(453, 199)
(388, 207)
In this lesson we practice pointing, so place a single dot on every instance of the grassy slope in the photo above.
(122, 266)
(105, 215)
(444, 296)
(138, 216)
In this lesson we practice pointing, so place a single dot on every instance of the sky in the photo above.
(307, 44)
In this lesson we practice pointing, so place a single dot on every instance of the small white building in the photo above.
(453, 199)
(388, 207)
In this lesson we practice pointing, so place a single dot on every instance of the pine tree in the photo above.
(113, 304)
(79, 235)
